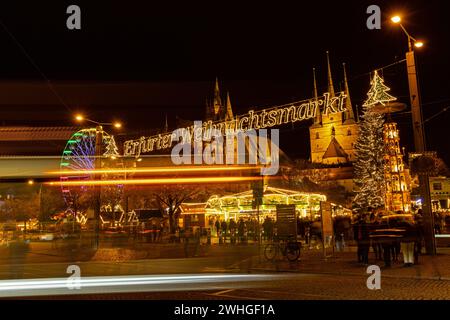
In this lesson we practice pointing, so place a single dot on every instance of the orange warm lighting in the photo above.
(155, 181)
(396, 19)
(155, 170)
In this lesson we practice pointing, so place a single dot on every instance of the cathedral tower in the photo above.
(332, 136)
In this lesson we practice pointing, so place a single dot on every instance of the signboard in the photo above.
(253, 120)
(286, 220)
(327, 227)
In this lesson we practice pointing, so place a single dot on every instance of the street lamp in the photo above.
(419, 134)
(97, 164)
(411, 40)
(80, 118)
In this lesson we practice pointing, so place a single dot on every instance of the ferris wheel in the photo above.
(79, 156)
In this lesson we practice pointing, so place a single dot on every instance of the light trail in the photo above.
(156, 170)
(154, 181)
(148, 283)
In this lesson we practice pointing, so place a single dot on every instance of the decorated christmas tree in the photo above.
(111, 148)
(378, 93)
(370, 152)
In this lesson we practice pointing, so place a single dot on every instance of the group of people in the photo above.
(242, 230)
(388, 239)
(155, 231)
(237, 232)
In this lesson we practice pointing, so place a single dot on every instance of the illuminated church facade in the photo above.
(332, 136)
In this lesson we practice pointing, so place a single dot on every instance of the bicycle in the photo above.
(289, 248)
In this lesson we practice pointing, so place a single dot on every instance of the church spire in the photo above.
(349, 116)
(166, 125)
(217, 104)
(318, 118)
(330, 79)
(229, 111)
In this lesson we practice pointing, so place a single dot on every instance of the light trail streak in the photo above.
(155, 170)
(191, 180)
(52, 286)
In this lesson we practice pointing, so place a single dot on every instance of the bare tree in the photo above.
(170, 198)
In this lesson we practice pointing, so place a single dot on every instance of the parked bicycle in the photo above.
(289, 248)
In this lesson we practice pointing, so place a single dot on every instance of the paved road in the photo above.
(298, 287)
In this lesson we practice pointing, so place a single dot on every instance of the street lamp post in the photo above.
(419, 136)
(97, 176)
(97, 188)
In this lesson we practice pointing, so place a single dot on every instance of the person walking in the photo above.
(218, 231)
(376, 245)
(161, 231)
(224, 228)
(339, 235)
(154, 231)
(265, 226)
(241, 230)
(232, 228)
(363, 241)
(408, 240)
(418, 220)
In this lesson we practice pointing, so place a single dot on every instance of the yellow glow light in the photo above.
(156, 170)
(117, 125)
(30, 182)
(79, 117)
(396, 19)
(418, 44)
(156, 181)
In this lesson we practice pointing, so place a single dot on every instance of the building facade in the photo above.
(332, 136)
(440, 193)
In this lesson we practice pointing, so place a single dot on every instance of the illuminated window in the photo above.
(437, 186)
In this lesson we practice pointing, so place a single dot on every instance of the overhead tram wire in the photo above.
(33, 63)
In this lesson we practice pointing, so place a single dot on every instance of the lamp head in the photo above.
(396, 19)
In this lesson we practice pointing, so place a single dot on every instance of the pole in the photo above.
(97, 188)
(428, 217)
(419, 143)
(40, 201)
(419, 136)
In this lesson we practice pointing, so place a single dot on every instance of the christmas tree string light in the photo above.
(378, 93)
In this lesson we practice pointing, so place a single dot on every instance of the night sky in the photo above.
(153, 58)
